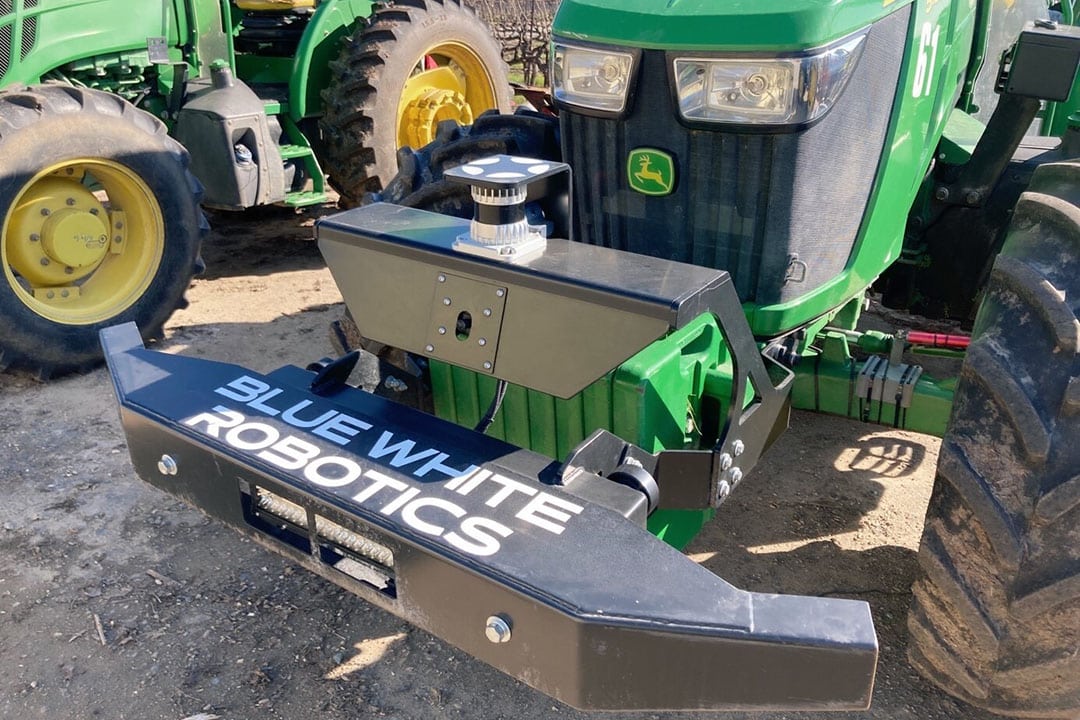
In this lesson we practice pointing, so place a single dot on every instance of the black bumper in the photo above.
(452, 530)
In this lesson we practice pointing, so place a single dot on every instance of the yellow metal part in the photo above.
(458, 88)
(82, 241)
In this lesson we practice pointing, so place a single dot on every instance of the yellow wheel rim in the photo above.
(82, 241)
(459, 87)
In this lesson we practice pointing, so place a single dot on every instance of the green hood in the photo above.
(717, 24)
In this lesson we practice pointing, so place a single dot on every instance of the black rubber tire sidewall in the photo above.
(436, 24)
(99, 129)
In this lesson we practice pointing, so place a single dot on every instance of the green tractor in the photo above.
(118, 118)
(610, 314)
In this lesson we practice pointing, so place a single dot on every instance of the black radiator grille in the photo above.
(780, 212)
(5, 49)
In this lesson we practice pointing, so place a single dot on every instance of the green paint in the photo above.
(826, 378)
(650, 171)
(717, 24)
(659, 399)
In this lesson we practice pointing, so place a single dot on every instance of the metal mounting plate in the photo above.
(483, 303)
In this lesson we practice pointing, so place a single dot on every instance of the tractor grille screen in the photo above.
(780, 212)
(5, 49)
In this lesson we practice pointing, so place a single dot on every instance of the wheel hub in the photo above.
(429, 98)
(59, 233)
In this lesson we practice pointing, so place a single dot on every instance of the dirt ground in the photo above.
(119, 602)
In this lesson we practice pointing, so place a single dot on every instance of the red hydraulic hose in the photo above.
(938, 340)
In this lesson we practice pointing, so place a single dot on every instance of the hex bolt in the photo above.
(736, 475)
(44, 261)
(972, 197)
(118, 239)
(34, 237)
(446, 301)
(500, 293)
(167, 466)
(487, 312)
(119, 225)
(725, 461)
(442, 278)
(942, 193)
(429, 348)
(70, 201)
(723, 489)
(44, 212)
(487, 366)
(482, 342)
(442, 330)
(737, 448)
(497, 629)
(394, 384)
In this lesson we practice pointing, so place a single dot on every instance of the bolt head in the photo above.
(487, 312)
(44, 212)
(482, 342)
(429, 348)
(446, 301)
(70, 201)
(725, 461)
(738, 448)
(34, 237)
(500, 292)
(442, 330)
(942, 193)
(487, 366)
(736, 476)
(497, 629)
(442, 278)
(167, 466)
(723, 489)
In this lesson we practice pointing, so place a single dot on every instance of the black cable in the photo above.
(493, 409)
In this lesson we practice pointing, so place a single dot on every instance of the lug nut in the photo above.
(497, 629)
(167, 466)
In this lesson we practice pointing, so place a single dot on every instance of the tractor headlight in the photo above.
(766, 91)
(591, 77)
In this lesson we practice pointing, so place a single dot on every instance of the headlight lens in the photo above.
(766, 91)
(591, 78)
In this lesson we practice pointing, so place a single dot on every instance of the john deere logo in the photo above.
(651, 172)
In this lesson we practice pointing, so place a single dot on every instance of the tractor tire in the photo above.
(415, 64)
(420, 184)
(101, 225)
(995, 618)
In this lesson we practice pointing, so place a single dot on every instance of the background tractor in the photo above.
(112, 114)
(624, 302)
